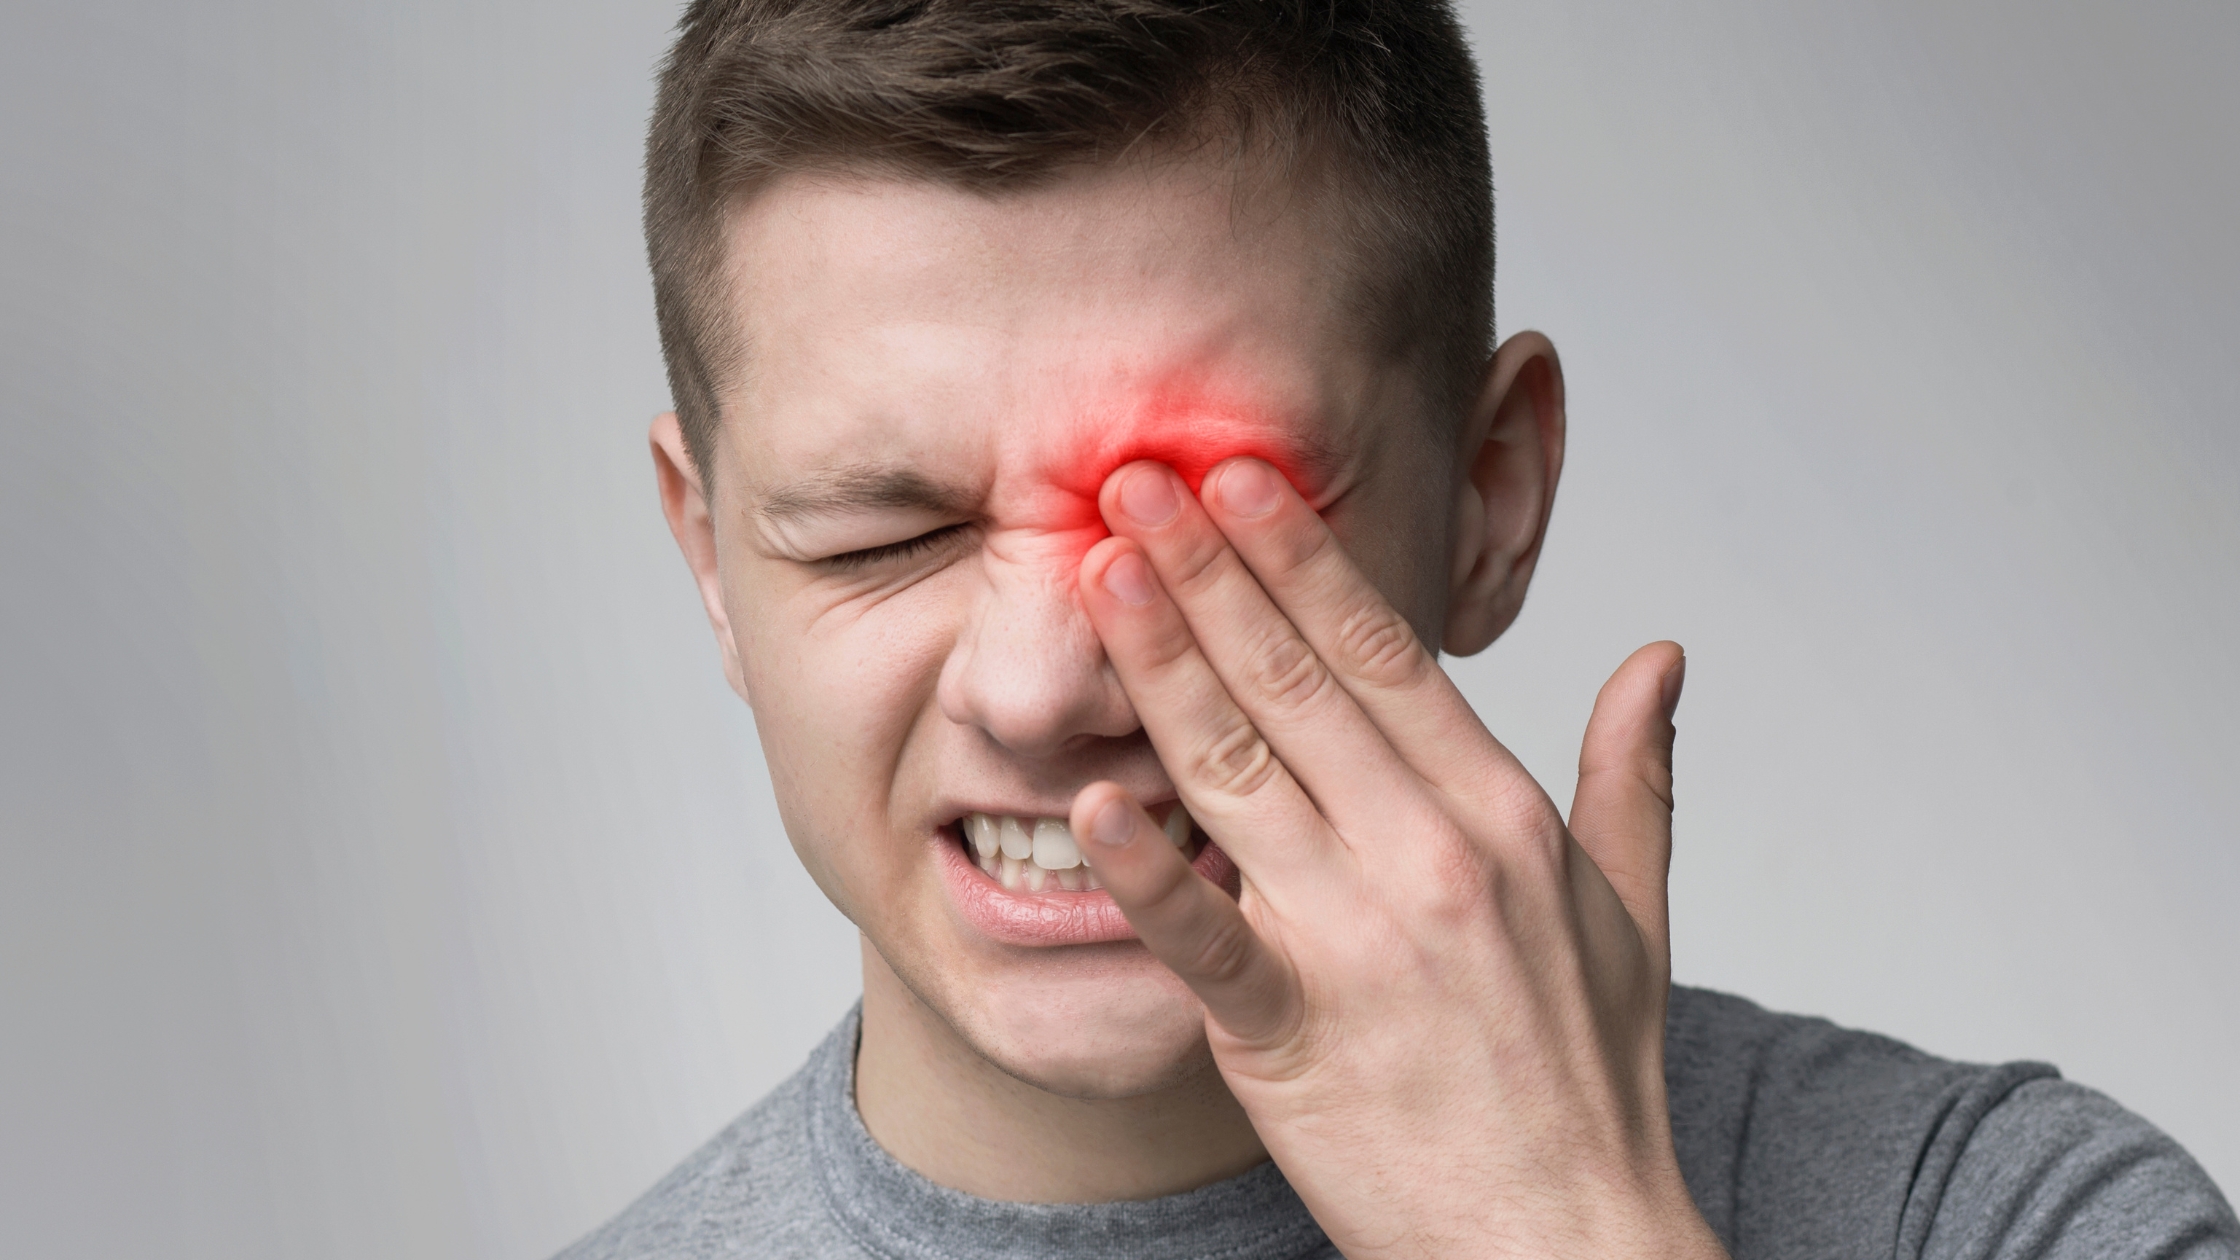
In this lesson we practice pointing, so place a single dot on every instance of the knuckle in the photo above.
(1519, 809)
(1524, 830)
(1643, 775)
(1286, 673)
(1458, 877)
(1376, 644)
(1197, 561)
(1237, 763)
(1655, 778)
(1166, 649)
(1543, 849)
(1305, 548)
(1224, 953)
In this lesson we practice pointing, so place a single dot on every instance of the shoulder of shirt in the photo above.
(1799, 1137)
(747, 1181)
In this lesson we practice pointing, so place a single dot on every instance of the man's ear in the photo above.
(1511, 457)
(685, 502)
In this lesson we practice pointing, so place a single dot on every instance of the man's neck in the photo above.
(943, 1110)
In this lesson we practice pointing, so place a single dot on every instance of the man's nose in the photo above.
(1028, 668)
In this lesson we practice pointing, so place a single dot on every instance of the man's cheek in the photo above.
(824, 670)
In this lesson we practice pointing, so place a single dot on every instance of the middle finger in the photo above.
(1276, 678)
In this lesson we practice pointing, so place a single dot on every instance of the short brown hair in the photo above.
(1002, 94)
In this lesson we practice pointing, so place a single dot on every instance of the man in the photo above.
(1088, 433)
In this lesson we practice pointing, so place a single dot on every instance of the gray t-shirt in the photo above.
(1797, 1138)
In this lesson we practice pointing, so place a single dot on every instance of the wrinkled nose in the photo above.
(1028, 668)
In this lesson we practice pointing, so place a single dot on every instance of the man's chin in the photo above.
(1105, 1060)
(1085, 1022)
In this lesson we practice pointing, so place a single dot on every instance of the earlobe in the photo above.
(1510, 460)
(684, 501)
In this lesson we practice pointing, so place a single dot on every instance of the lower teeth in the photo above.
(1027, 877)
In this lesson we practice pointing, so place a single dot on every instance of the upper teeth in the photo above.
(1022, 849)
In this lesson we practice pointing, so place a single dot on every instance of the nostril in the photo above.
(1026, 670)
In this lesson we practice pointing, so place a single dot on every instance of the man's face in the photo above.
(937, 383)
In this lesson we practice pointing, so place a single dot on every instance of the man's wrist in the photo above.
(1662, 1224)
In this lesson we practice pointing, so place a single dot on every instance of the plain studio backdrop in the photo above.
(388, 872)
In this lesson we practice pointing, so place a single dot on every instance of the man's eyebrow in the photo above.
(1316, 461)
(862, 488)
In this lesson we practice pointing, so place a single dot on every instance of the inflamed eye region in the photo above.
(1189, 435)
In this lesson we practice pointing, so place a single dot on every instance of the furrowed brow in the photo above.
(862, 488)
(1316, 461)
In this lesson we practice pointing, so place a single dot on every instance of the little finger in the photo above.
(1189, 924)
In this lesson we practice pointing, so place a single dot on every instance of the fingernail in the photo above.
(1248, 488)
(1113, 827)
(1147, 496)
(1129, 580)
(1674, 678)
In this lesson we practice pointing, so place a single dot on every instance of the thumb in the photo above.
(1622, 813)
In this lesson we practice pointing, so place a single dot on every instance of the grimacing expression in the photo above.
(937, 382)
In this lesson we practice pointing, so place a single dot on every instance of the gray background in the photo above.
(387, 871)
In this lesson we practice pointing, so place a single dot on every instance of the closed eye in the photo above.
(908, 547)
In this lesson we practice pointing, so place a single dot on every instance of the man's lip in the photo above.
(1048, 917)
(956, 813)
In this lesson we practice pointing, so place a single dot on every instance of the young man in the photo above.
(1088, 434)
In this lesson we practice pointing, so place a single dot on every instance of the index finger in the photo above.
(1368, 645)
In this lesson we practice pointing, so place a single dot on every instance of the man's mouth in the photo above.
(1032, 855)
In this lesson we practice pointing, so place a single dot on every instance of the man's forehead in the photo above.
(1156, 216)
(1049, 335)
(856, 285)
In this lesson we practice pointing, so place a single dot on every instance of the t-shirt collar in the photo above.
(894, 1212)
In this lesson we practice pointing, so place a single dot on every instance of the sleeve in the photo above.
(2056, 1171)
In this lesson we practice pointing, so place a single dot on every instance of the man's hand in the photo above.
(1443, 1009)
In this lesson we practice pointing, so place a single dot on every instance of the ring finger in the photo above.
(1224, 769)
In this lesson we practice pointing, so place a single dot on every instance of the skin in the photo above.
(1452, 1049)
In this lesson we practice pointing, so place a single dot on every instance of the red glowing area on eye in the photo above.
(1187, 431)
